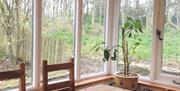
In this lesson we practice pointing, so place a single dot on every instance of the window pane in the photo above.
(140, 57)
(171, 50)
(57, 33)
(15, 39)
(92, 33)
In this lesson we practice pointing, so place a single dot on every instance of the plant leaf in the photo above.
(127, 25)
(97, 49)
(139, 27)
(106, 54)
(137, 43)
(129, 18)
(130, 35)
(97, 46)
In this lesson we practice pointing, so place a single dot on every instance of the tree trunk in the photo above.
(100, 10)
(125, 10)
(93, 11)
(149, 16)
(18, 34)
(8, 26)
(137, 9)
(10, 51)
(178, 14)
(87, 9)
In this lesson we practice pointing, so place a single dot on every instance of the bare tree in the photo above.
(15, 15)
(7, 12)
(22, 18)
(137, 9)
(149, 14)
(178, 14)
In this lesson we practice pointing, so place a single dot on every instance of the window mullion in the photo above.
(78, 31)
(159, 7)
(108, 29)
(115, 31)
(37, 43)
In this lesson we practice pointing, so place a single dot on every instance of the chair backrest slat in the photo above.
(14, 74)
(59, 85)
(56, 67)
(10, 75)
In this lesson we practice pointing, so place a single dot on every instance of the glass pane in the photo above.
(57, 33)
(15, 39)
(171, 50)
(92, 33)
(140, 57)
(58, 76)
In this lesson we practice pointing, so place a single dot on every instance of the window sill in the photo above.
(158, 86)
(93, 81)
(97, 80)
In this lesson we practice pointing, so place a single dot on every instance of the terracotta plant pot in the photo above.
(127, 82)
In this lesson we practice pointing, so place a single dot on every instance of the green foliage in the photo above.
(2, 53)
(128, 28)
(88, 23)
(88, 42)
(132, 25)
(170, 42)
(63, 34)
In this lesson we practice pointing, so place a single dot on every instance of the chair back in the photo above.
(62, 86)
(15, 74)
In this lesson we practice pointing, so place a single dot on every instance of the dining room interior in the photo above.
(89, 45)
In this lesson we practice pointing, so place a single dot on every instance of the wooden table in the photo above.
(103, 87)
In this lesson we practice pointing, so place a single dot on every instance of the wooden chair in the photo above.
(14, 74)
(62, 86)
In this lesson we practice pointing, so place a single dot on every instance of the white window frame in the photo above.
(78, 30)
(108, 33)
(111, 38)
(156, 65)
(37, 16)
(36, 84)
(156, 48)
(115, 31)
(36, 47)
(157, 45)
(78, 35)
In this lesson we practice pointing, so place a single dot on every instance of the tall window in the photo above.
(140, 57)
(92, 33)
(171, 50)
(57, 33)
(15, 38)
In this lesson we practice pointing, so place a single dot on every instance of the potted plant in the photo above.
(129, 30)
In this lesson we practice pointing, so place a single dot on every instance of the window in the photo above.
(57, 37)
(57, 33)
(171, 50)
(15, 38)
(140, 57)
(92, 33)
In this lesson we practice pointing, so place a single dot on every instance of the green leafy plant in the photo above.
(129, 30)
(106, 51)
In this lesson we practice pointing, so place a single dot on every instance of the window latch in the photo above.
(175, 82)
(158, 33)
